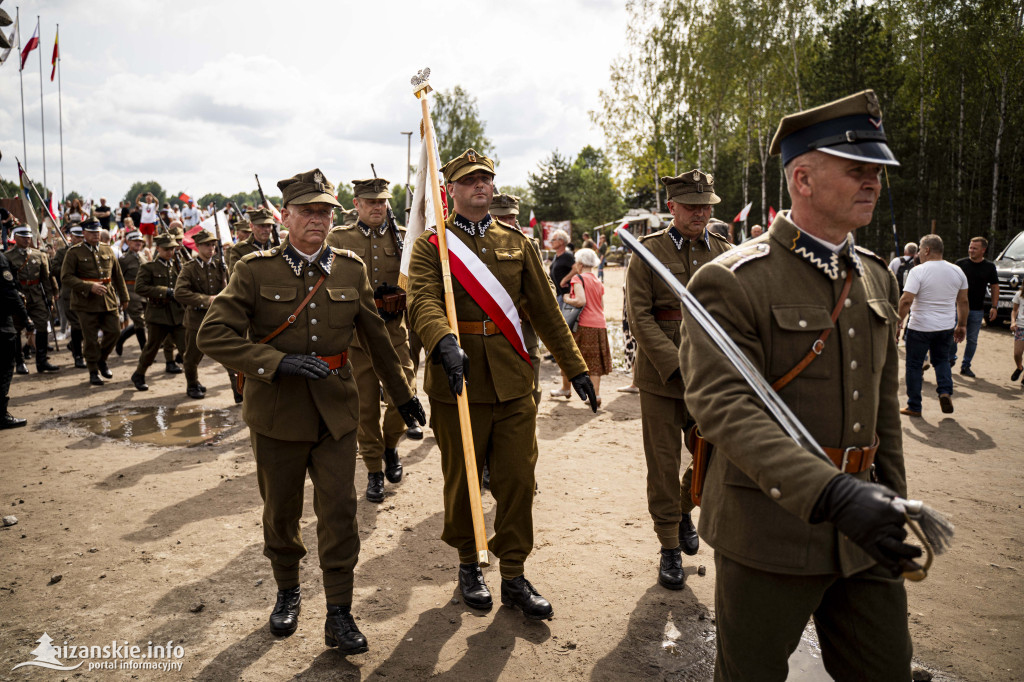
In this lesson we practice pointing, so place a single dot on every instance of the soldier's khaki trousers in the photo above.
(156, 334)
(94, 350)
(505, 433)
(193, 356)
(281, 467)
(373, 439)
(861, 623)
(668, 496)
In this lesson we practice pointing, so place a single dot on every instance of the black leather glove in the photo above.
(295, 365)
(864, 513)
(412, 412)
(585, 389)
(454, 360)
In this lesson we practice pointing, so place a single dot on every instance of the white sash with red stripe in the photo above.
(486, 291)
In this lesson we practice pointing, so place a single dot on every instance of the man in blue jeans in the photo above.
(981, 273)
(936, 294)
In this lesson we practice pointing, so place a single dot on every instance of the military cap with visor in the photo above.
(134, 236)
(21, 232)
(850, 128)
(75, 231)
(692, 187)
(504, 204)
(203, 236)
(165, 241)
(350, 217)
(91, 225)
(371, 188)
(310, 187)
(464, 164)
(260, 216)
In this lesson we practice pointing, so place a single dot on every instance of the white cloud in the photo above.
(203, 94)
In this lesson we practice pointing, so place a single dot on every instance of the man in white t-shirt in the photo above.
(935, 295)
(190, 215)
(147, 224)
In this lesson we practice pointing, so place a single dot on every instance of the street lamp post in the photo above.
(408, 171)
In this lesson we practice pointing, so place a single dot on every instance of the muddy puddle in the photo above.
(167, 426)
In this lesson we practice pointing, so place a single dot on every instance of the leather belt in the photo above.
(28, 282)
(853, 460)
(101, 280)
(485, 328)
(668, 315)
(335, 362)
(130, 281)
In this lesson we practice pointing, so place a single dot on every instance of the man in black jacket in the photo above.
(10, 303)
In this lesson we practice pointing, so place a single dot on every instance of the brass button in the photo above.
(310, 273)
(856, 427)
(483, 250)
(312, 306)
(343, 295)
(853, 364)
(775, 493)
(277, 297)
(311, 288)
(313, 338)
(802, 323)
(842, 273)
(852, 333)
(694, 262)
(847, 303)
(259, 371)
(856, 395)
(313, 321)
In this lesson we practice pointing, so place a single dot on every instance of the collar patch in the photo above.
(823, 258)
(678, 239)
(473, 229)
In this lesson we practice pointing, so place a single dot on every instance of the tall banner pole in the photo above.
(21, 82)
(468, 451)
(42, 116)
(60, 111)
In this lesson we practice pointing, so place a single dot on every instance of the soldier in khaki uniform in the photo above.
(654, 314)
(164, 315)
(300, 400)
(91, 274)
(260, 222)
(64, 295)
(130, 263)
(378, 244)
(499, 377)
(199, 282)
(32, 269)
(794, 536)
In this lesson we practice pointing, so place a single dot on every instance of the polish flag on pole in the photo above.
(32, 44)
(771, 214)
(273, 209)
(742, 215)
(422, 216)
(56, 54)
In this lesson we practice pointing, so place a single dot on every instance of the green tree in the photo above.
(596, 199)
(458, 124)
(553, 187)
(152, 186)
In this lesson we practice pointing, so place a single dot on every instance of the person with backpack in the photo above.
(901, 265)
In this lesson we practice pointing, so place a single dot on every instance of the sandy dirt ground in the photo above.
(157, 537)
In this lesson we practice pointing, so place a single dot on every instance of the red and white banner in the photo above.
(771, 215)
(422, 216)
(273, 209)
(742, 215)
(549, 227)
(32, 44)
(485, 289)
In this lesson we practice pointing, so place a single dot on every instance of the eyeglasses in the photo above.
(475, 178)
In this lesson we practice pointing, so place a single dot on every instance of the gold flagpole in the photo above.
(468, 451)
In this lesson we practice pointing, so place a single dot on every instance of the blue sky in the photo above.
(200, 95)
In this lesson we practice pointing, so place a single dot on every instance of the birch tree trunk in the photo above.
(995, 161)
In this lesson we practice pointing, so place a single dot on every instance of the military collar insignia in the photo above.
(824, 258)
(297, 262)
(678, 239)
(473, 229)
(367, 230)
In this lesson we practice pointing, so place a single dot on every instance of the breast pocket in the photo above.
(882, 321)
(343, 306)
(277, 294)
(509, 267)
(794, 332)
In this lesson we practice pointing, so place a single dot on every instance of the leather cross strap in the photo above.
(291, 318)
(819, 344)
(29, 282)
(668, 315)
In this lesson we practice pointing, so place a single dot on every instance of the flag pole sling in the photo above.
(60, 112)
(468, 451)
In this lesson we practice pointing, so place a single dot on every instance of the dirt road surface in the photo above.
(156, 536)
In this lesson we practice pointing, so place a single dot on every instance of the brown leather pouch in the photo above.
(701, 451)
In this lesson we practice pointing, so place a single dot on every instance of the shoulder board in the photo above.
(258, 254)
(508, 227)
(342, 228)
(346, 253)
(734, 258)
(654, 234)
(715, 235)
(872, 255)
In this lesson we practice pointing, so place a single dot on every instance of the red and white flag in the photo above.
(273, 209)
(771, 214)
(184, 197)
(742, 215)
(56, 55)
(32, 44)
(422, 216)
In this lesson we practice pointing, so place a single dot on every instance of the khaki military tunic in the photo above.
(773, 296)
(164, 315)
(64, 293)
(32, 269)
(83, 266)
(299, 424)
(499, 383)
(242, 249)
(663, 412)
(196, 283)
(130, 263)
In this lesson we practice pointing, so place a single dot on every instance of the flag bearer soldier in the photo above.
(500, 377)
(796, 537)
(199, 282)
(75, 237)
(287, 319)
(93, 278)
(32, 268)
(654, 315)
(164, 315)
(376, 242)
(256, 230)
